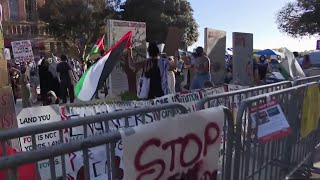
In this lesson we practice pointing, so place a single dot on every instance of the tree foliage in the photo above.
(161, 14)
(300, 18)
(78, 22)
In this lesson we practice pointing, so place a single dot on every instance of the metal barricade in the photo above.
(6, 135)
(108, 139)
(278, 158)
(306, 80)
(225, 98)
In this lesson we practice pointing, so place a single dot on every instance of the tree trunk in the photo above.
(131, 77)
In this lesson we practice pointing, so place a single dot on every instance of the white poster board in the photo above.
(118, 80)
(38, 116)
(22, 51)
(269, 121)
(184, 147)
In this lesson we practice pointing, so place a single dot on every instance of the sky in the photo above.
(249, 16)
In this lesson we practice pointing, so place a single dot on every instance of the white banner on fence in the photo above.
(213, 91)
(37, 116)
(22, 51)
(184, 147)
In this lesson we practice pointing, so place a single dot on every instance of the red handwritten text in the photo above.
(178, 148)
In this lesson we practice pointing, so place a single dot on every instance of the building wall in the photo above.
(24, 28)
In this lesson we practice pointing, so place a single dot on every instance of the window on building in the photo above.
(14, 10)
(31, 9)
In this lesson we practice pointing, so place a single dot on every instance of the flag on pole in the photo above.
(96, 48)
(100, 71)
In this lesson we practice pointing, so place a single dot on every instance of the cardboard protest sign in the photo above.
(184, 147)
(243, 58)
(173, 41)
(118, 80)
(7, 109)
(210, 92)
(215, 47)
(22, 51)
(269, 121)
(37, 116)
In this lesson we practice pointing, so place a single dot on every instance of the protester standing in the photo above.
(202, 69)
(171, 75)
(34, 81)
(55, 85)
(25, 87)
(263, 68)
(66, 79)
(45, 78)
(151, 70)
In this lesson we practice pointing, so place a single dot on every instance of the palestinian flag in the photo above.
(100, 71)
(96, 48)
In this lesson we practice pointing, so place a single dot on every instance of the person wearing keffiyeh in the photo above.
(155, 68)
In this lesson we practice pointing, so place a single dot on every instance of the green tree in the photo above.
(300, 18)
(161, 14)
(78, 23)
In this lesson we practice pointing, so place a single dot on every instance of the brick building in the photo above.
(20, 22)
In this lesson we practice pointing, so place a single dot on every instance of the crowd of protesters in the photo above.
(55, 76)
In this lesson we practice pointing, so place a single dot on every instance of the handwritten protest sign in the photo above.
(186, 147)
(22, 51)
(269, 121)
(7, 109)
(37, 116)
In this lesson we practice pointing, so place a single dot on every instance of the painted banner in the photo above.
(98, 154)
(215, 47)
(37, 116)
(311, 110)
(22, 51)
(186, 147)
(118, 80)
(242, 59)
(98, 158)
(270, 122)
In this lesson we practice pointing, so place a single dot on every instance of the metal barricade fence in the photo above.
(275, 159)
(108, 139)
(306, 80)
(225, 99)
(6, 135)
